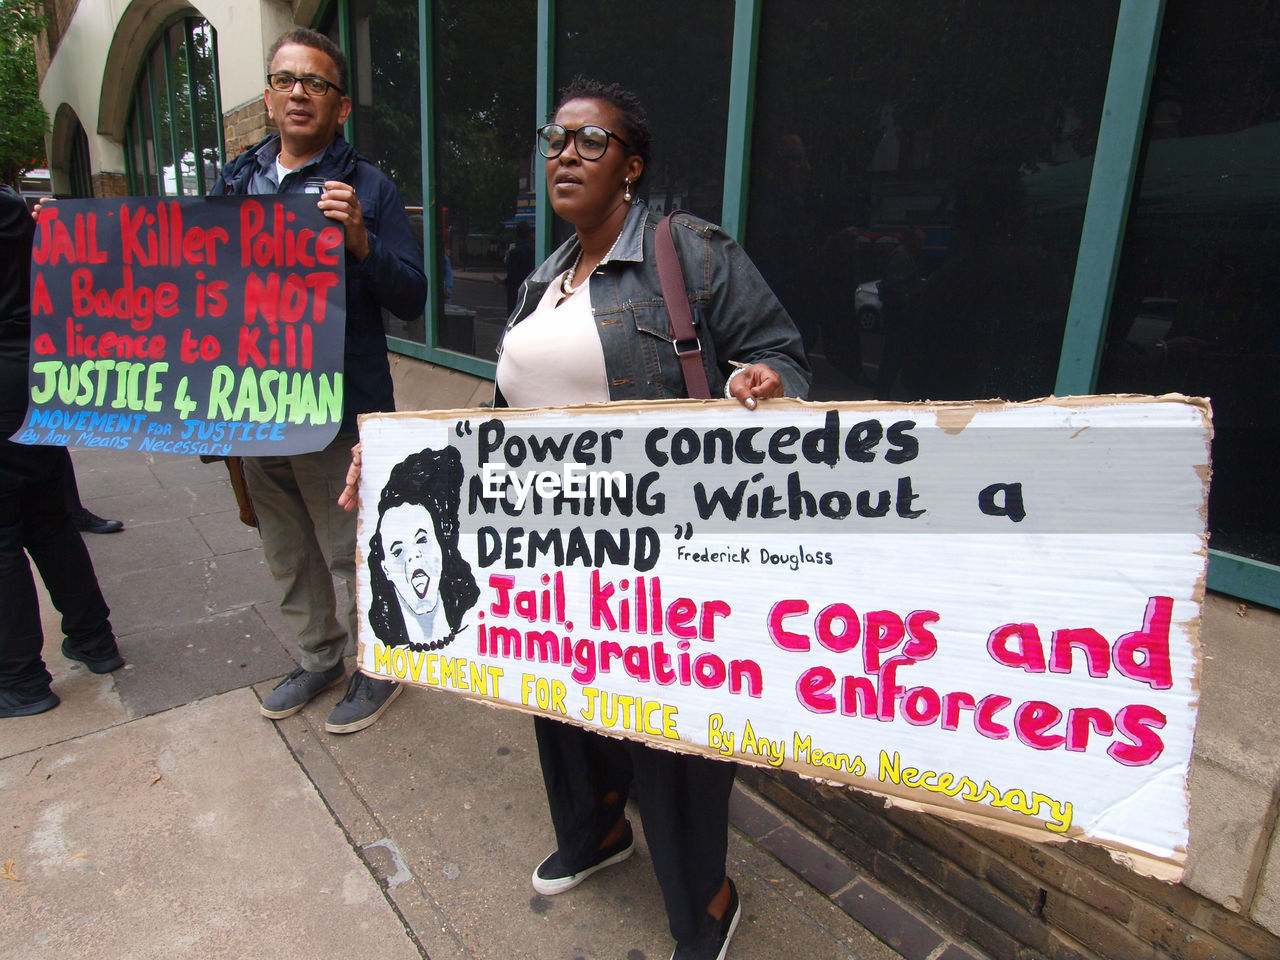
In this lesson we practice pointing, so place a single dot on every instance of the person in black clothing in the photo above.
(34, 517)
(519, 262)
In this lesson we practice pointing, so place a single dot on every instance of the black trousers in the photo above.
(34, 519)
(683, 801)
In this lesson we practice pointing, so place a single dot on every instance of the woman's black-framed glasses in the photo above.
(312, 86)
(590, 141)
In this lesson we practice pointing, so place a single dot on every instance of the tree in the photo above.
(23, 120)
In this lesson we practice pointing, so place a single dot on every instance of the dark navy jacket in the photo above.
(390, 277)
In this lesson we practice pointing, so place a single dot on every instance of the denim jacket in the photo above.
(390, 277)
(735, 313)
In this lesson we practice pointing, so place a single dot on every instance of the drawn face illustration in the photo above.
(413, 557)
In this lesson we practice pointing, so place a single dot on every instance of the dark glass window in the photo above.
(174, 131)
(1194, 309)
(675, 56)
(164, 108)
(80, 170)
(206, 102)
(387, 111)
(484, 56)
(919, 172)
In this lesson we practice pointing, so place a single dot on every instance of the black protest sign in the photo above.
(196, 326)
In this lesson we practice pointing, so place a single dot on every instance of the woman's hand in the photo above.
(756, 381)
(347, 498)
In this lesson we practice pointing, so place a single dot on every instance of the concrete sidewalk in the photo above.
(155, 813)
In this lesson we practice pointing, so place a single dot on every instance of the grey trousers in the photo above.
(308, 541)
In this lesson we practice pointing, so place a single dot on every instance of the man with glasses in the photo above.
(307, 538)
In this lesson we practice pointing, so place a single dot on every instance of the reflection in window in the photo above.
(484, 61)
(676, 60)
(1194, 309)
(79, 169)
(173, 135)
(918, 186)
(388, 105)
(386, 121)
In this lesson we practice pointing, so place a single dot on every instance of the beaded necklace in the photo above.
(567, 284)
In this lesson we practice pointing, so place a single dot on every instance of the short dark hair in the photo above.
(317, 41)
(635, 123)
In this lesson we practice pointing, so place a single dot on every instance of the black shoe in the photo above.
(14, 704)
(551, 877)
(97, 662)
(364, 702)
(87, 522)
(712, 941)
(294, 692)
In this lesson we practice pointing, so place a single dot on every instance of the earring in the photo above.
(627, 196)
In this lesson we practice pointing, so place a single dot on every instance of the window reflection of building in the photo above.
(174, 142)
(925, 117)
(1194, 309)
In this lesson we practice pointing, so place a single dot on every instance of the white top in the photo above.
(553, 356)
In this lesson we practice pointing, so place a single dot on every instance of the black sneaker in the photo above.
(13, 704)
(99, 661)
(296, 690)
(87, 522)
(365, 700)
(551, 877)
(712, 941)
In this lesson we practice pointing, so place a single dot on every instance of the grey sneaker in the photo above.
(296, 690)
(365, 700)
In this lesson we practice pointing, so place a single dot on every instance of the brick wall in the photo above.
(244, 126)
(57, 15)
(1017, 900)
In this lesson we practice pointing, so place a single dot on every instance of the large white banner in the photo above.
(988, 610)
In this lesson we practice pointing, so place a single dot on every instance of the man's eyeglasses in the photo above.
(591, 142)
(312, 86)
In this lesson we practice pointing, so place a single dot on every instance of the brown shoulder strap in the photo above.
(684, 337)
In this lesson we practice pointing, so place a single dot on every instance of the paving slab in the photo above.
(89, 701)
(444, 798)
(155, 812)
(190, 833)
(223, 531)
(184, 591)
(176, 664)
(146, 545)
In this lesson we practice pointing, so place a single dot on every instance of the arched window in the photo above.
(174, 142)
(79, 170)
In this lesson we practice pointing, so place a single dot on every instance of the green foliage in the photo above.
(23, 120)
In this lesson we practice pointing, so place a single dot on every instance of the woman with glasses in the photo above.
(590, 326)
